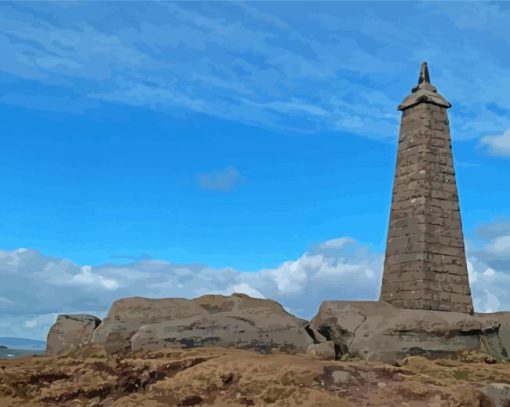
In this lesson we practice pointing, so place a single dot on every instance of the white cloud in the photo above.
(39, 287)
(497, 145)
(489, 267)
(32, 323)
(87, 277)
(489, 272)
(223, 180)
(336, 243)
(35, 288)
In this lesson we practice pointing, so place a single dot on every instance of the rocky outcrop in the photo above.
(238, 321)
(70, 331)
(375, 330)
(504, 329)
(495, 395)
(369, 330)
(322, 351)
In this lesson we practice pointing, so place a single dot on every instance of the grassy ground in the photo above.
(228, 377)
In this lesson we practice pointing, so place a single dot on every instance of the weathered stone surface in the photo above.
(211, 320)
(228, 330)
(70, 331)
(495, 395)
(375, 330)
(323, 351)
(128, 315)
(504, 329)
(425, 264)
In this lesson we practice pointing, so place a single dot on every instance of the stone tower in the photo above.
(425, 264)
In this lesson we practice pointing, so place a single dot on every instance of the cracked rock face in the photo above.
(375, 330)
(70, 331)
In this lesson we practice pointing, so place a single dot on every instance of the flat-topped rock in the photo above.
(374, 330)
(239, 321)
(70, 331)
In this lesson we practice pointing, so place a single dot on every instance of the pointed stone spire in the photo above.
(424, 73)
(425, 265)
(424, 80)
(424, 92)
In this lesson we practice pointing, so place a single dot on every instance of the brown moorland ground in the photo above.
(230, 377)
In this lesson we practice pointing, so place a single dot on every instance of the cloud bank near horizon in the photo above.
(36, 288)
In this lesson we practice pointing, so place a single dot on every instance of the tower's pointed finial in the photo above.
(424, 92)
(424, 73)
(424, 80)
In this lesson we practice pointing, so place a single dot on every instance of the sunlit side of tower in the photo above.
(425, 263)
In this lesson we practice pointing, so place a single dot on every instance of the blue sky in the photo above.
(224, 146)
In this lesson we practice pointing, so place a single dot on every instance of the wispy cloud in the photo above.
(497, 145)
(333, 68)
(223, 180)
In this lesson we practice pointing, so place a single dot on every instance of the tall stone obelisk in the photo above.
(425, 264)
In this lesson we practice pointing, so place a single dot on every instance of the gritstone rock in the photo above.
(70, 331)
(375, 330)
(239, 321)
(127, 315)
(495, 395)
(323, 351)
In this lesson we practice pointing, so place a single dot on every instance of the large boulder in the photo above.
(504, 329)
(375, 330)
(70, 331)
(495, 395)
(128, 315)
(238, 321)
